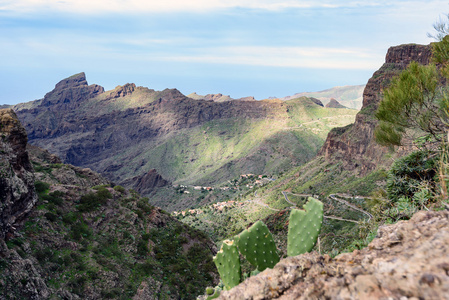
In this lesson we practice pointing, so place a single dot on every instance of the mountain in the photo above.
(350, 96)
(218, 97)
(334, 104)
(354, 145)
(128, 131)
(349, 163)
(66, 232)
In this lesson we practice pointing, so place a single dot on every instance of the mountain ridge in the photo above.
(127, 131)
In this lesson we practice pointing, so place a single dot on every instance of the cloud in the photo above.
(292, 57)
(93, 7)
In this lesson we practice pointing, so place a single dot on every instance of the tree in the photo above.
(442, 29)
(416, 105)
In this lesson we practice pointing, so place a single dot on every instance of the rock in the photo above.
(354, 145)
(17, 192)
(408, 259)
(316, 101)
(70, 91)
(334, 104)
(146, 183)
(122, 91)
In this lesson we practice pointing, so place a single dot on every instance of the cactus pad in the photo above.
(258, 247)
(227, 261)
(304, 227)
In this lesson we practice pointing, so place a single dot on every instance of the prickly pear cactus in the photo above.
(227, 261)
(304, 227)
(258, 247)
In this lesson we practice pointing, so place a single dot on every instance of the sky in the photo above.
(260, 48)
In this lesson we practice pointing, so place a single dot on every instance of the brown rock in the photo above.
(146, 183)
(334, 104)
(355, 145)
(17, 193)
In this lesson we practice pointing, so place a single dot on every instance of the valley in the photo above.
(132, 133)
(129, 193)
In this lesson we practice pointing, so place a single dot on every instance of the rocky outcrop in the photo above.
(355, 145)
(17, 193)
(122, 91)
(218, 97)
(69, 92)
(146, 183)
(49, 168)
(407, 260)
(333, 103)
(317, 101)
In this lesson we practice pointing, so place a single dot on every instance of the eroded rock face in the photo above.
(333, 103)
(70, 91)
(355, 145)
(149, 181)
(408, 259)
(17, 193)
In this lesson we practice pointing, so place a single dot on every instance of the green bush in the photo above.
(91, 201)
(80, 230)
(408, 175)
(51, 216)
(54, 197)
(120, 189)
(41, 187)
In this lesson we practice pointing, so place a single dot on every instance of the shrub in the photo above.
(120, 189)
(80, 230)
(51, 216)
(409, 173)
(41, 187)
(91, 201)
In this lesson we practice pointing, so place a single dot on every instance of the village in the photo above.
(247, 181)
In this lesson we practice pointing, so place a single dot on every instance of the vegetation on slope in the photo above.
(102, 242)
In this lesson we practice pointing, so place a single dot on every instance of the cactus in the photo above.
(258, 247)
(227, 261)
(212, 293)
(304, 227)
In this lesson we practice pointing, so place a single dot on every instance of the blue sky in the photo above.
(236, 47)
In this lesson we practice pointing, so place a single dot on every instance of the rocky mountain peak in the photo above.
(333, 103)
(316, 101)
(404, 54)
(17, 193)
(70, 91)
(72, 82)
(122, 91)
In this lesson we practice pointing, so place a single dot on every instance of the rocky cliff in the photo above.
(146, 183)
(17, 193)
(407, 260)
(354, 145)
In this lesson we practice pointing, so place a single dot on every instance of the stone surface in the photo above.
(355, 145)
(17, 193)
(146, 183)
(333, 103)
(407, 260)
(70, 91)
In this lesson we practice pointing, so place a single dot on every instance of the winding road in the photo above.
(333, 197)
